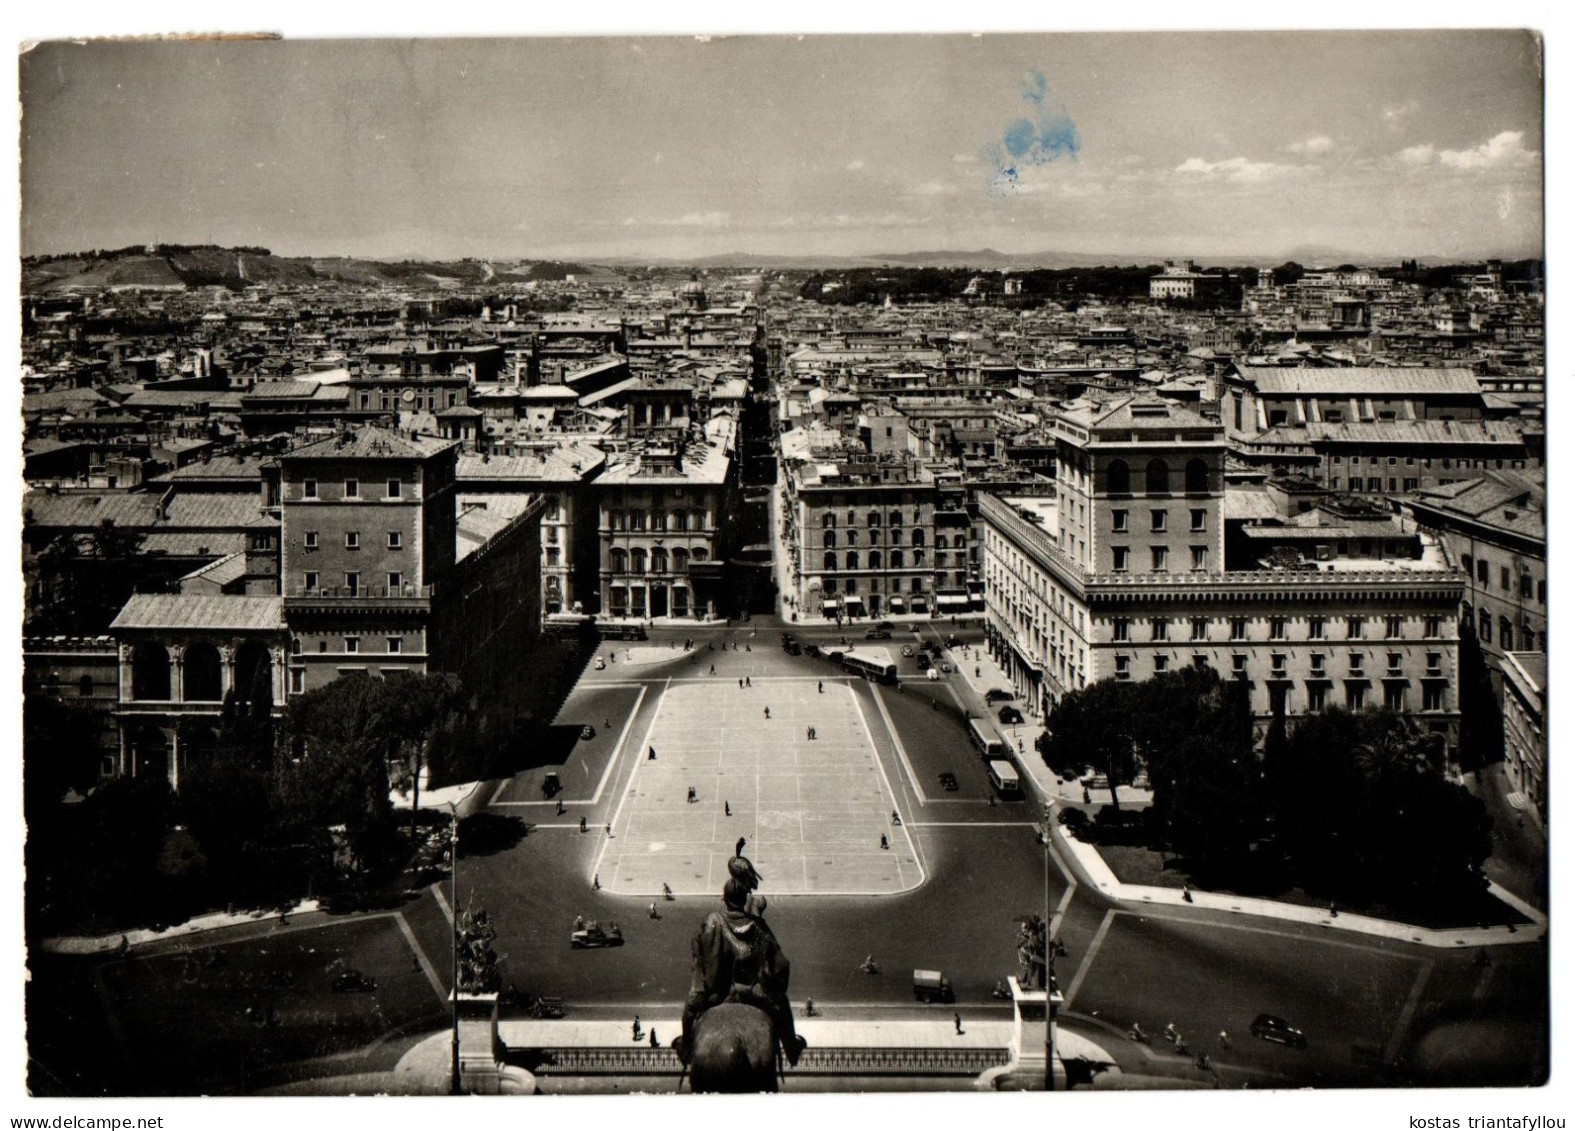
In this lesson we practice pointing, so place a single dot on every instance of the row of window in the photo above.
(829, 538)
(1159, 558)
(1156, 477)
(393, 489)
(1317, 685)
(391, 644)
(631, 602)
(657, 520)
(1279, 628)
(1426, 461)
(850, 585)
(1504, 578)
(659, 559)
(871, 518)
(312, 580)
(395, 540)
(899, 560)
(1157, 520)
(1528, 640)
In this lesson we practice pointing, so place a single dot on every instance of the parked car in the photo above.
(996, 695)
(601, 664)
(812, 649)
(587, 732)
(923, 660)
(954, 641)
(792, 648)
(594, 935)
(1267, 1027)
(353, 982)
(949, 782)
(933, 675)
(907, 649)
(932, 986)
(551, 785)
(1009, 715)
(878, 634)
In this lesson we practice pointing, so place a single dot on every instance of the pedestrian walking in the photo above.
(652, 910)
(692, 795)
(768, 712)
(1186, 893)
(713, 669)
(639, 1033)
(741, 683)
(655, 1044)
(809, 1007)
(976, 671)
(727, 808)
(748, 682)
(884, 843)
(596, 882)
(809, 732)
(820, 687)
(650, 755)
(957, 1021)
(1087, 796)
(608, 829)
(582, 824)
(560, 806)
(1224, 1039)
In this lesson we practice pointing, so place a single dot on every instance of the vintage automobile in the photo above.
(601, 664)
(353, 982)
(594, 935)
(932, 674)
(587, 732)
(878, 634)
(949, 782)
(996, 695)
(1267, 1027)
(1009, 715)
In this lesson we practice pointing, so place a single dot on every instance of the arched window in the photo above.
(918, 536)
(1485, 626)
(150, 672)
(874, 559)
(1118, 480)
(918, 558)
(828, 520)
(680, 560)
(852, 518)
(896, 559)
(658, 560)
(831, 539)
(896, 518)
(618, 559)
(699, 554)
(200, 674)
(831, 560)
(636, 560)
(1156, 478)
(852, 560)
(1197, 477)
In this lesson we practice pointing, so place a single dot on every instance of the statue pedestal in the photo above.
(480, 1050)
(1031, 1011)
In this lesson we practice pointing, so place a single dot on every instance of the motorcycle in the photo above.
(1137, 1034)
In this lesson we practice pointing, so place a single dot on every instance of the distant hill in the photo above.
(239, 268)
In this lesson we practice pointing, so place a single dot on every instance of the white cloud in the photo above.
(1503, 150)
(1312, 145)
(1417, 154)
(854, 165)
(698, 220)
(964, 158)
(1240, 170)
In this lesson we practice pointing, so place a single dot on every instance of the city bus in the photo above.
(871, 663)
(986, 740)
(1003, 776)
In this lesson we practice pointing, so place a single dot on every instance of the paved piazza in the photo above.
(813, 810)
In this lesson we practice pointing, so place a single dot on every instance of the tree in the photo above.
(420, 712)
(1481, 718)
(1092, 726)
(1208, 791)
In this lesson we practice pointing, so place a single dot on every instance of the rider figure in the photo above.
(737, 959)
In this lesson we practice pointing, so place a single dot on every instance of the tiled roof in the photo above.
(201, 612)
(369, 442)
(1368, 380)
(1415, 432)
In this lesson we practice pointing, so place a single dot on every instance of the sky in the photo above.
(1211, 145)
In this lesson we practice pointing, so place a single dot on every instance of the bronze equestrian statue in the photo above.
(737, 1014)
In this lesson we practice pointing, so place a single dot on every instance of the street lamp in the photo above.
(453, 949)
(1052, 991)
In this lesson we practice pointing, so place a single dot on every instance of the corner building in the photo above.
(1121, 574)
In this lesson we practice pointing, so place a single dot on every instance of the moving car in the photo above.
(932, 674)
(551, 785)
(954, 641)
(907, 649)
(949, 782)
(594, 935)
(812, 649)
(601, 664)
(931, 986)
(353, 982)
(1009, 715)
(792, 648)
(587, 732)
(878, 634)
(996, 695)
(1267, 1027)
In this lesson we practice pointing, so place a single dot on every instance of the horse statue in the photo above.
(737, 1021)
(734, 1051)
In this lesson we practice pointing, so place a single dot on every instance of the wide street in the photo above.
(945, 894)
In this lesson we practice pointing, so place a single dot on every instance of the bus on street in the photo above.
(871, 663)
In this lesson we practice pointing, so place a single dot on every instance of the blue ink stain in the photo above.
(1045, 136)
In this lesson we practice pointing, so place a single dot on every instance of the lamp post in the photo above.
(1052, 991)
(453, 950)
